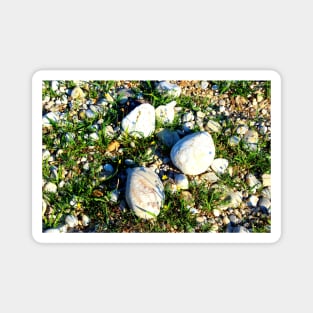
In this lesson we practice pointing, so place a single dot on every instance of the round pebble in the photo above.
(181, 181)
(85, 220)
(194, 153)
(50, 187)
(253, 201)
(216, 212)
(165, 113)
(89, 113)
(251, 139)
(264, 203)
(71, 221)
(266, 180)
(242, 129)
(52, 231)
(77, 93)
(114, 195)
(140, 122)
(54, 85)
(234, 141)
(168, 89)
(49, 118)
(213, 126)
(144, 192)
(204, 84)
(219, 165)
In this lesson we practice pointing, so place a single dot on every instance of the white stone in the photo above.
(94, 136)
(214, 126)
(51, 116)
(54, 85)
(52, 230)
(188, 126)
(253, 182)
(50, 187)
(216, 212)
(210, 177)
(264, 202)
(64, 99)
(232, 199)
(86, 166)
(71, 220)
(181, 181)
(266, 179)
(219, 166)
(234, 141)
(144, 192)
(63, 228)
(54, 171)
(253, 201)
(242, 129)
(77, 93)
(194, 153)
(266, 192)
(69, 137)
(165, 113)
(114, 195)
(140, 121)
(193, 210)
(226, 220)
(188, 117)
(61, 184)
(204, 84)
(168, 89)
(85, 220)
(45, 154)
(46, 99)
(89, 113)
(251, 138)
(201, 220)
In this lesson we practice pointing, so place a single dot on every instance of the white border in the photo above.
(271, 75)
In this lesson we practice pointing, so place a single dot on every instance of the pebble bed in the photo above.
(245, 204)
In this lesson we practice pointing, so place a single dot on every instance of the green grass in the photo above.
(91, 190)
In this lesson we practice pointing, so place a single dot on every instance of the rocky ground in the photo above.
(95, 132)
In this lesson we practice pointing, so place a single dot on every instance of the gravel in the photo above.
(244, 207)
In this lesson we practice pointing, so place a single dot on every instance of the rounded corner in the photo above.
(37, 75)
(36, 237)
(276, 238)
(276, 75)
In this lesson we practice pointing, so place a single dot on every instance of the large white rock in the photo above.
(194, 153)
(144, 192)
(140, 122)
